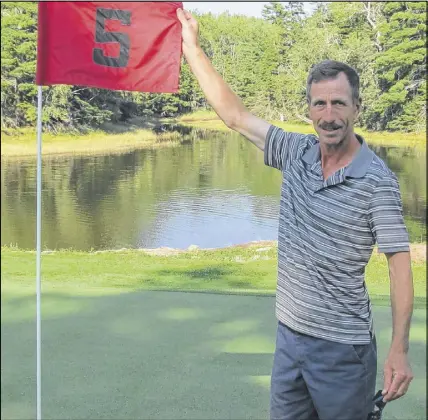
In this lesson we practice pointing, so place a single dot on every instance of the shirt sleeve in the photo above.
(386, 217)
(281, 147)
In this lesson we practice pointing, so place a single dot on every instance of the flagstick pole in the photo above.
(39, 250)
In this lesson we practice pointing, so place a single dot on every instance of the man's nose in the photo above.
(328, 113)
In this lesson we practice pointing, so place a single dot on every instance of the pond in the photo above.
(211, 191)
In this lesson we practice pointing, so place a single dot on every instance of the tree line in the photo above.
(265, 61)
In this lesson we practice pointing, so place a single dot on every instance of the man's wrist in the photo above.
(193, 51)
(399, 346)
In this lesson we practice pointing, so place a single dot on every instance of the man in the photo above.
(337, 199)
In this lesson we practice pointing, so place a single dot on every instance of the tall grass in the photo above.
(97, 142)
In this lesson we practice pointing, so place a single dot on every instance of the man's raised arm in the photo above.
(220, 96)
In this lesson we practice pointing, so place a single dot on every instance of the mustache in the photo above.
(330, 126)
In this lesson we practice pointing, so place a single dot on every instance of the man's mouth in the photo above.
(330, 128)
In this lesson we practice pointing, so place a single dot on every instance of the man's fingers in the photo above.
(387, 373)
(181, 16)
(185, 17)
(399, 383)
(392, 389)
(188, 15)
(191, 20)
(403, 388)
(406, 378)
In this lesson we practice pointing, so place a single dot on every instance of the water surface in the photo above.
(211, 191)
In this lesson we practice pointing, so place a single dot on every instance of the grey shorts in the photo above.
(314, 378)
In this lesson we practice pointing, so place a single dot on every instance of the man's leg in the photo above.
(341, 378)
(290, 399)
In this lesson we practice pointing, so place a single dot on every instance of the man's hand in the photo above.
(397, 375)
(190, 30)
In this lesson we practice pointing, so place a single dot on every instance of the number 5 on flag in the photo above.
(124, 16)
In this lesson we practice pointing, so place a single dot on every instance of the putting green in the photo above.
(158, 355)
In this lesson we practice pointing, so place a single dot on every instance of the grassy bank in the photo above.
(138, 134)
(210, 120)
(23, 143)
(241, 269)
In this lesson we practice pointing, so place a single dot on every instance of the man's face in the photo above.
(332, 109)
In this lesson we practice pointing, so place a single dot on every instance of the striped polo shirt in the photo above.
(327, 232)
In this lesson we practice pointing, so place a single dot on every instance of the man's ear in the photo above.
(358, 105)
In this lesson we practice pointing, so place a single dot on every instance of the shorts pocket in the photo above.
(360, 352)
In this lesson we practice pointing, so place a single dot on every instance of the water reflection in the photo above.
(212, 191)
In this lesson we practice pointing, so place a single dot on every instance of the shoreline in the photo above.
(418, 251)
(375, 138)
(96, 143)
(138, 134)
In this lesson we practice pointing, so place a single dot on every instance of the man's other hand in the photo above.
(397, 375)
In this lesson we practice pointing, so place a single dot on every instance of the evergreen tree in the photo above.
(402, 67)
(18, 63)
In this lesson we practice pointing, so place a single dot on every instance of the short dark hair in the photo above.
(329, 69)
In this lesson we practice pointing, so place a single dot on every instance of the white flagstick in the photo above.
(39, 249)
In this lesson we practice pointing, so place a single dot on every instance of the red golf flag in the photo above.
(111, 45)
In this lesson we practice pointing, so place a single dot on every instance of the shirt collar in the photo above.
(356, 169)
(312, 154)
(361, 162)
